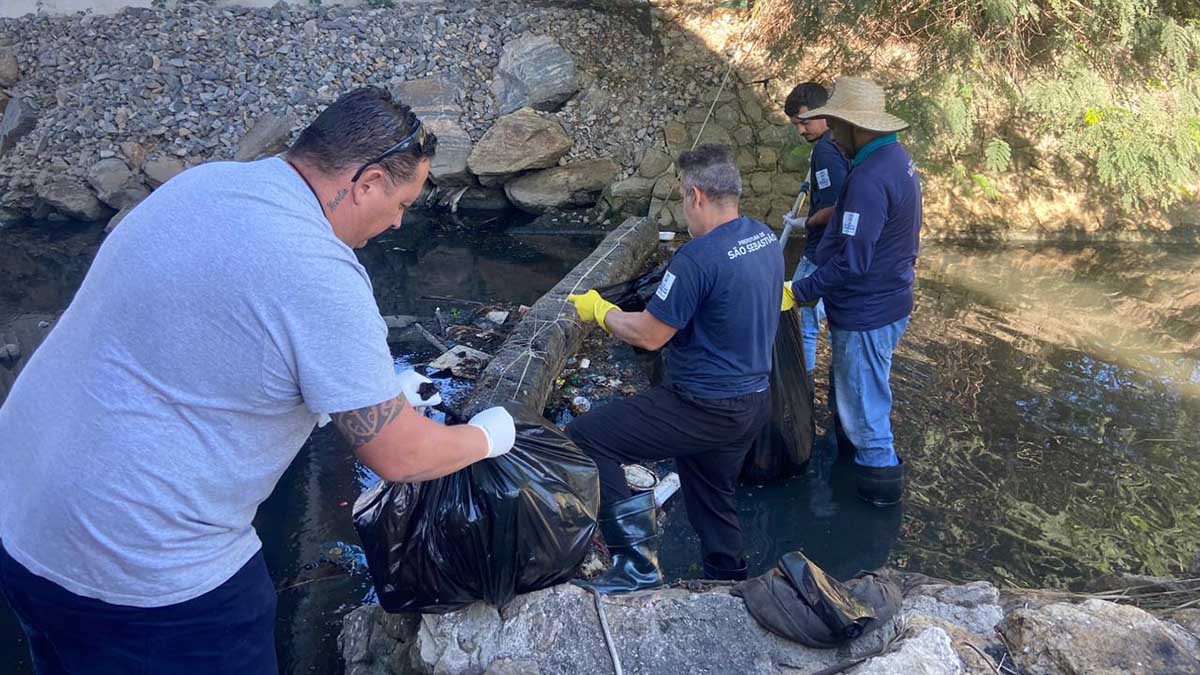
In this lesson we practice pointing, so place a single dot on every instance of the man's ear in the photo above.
(372, 180)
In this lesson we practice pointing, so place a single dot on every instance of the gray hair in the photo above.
(710, 169)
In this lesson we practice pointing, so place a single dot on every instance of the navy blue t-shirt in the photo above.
(828, 168)
(722, 292)
(865, 263)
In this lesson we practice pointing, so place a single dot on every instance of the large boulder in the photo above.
(1098, 638)
(449, 164)
(518, 142)
(10, 71)
(270, 135)
(534, 71)
(431, 98)
(930, 652)
(161, 169)
(71, 198)
(116, 184)
(19, 119)
(574, 185)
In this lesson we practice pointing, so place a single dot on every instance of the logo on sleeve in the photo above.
(849, 223)
(664, 288)
(823, 179)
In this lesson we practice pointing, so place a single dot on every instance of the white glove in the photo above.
(499, 428)
(410, 386)
(795, 222)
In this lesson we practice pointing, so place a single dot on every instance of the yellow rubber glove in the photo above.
(592, 308)
(789, 300)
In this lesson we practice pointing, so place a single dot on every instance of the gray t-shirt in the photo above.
(216, 324)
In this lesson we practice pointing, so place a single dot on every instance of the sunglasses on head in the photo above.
(416, 139)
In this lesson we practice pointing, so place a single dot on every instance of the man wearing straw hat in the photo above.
(865, 271)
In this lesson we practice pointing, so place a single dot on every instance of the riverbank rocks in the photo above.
(448, 167)
(19, 119)
(161, 169)
(518, 142)
(70, 198)
(431, 98)
(270, 135)
(534, 71)
(1099, 638)
(10, 70)
(115, 184)
(570, 186)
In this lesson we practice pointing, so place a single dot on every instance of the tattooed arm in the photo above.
(402, 446)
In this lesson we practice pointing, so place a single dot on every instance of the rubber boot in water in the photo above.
(721, 567)
(846, 449)
(880, 486)
(630, 530)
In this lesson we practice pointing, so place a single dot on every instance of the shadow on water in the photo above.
(1046, 401)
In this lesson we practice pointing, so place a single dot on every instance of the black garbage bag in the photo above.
(503, 526)
(798, 601)
(633, 296)
(785, 444)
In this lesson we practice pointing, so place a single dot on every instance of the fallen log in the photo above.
(524, 368)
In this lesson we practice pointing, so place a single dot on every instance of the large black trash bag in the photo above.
(503, 526)
(785, 444)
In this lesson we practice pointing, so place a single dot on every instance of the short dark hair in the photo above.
(811, 95)
(711, 169)
(358, 128)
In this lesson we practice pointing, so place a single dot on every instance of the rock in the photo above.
(519, 142)
(570, 186)
(928, 653)
(667, 632)
(115, 184)
(116, 220)
(10, 71)
(462, 361)
(431, 98)
(161, 170)
(974, 606)
(1098, 638)
(633, 188)
(449, 164)
(69, 197)
(497, 317)
(654, 164)
(374, 642)
(19, 119)
(270, 135)
(534, 71)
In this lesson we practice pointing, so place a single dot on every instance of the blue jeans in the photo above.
(811, 318)
(862, 396)
(230, 629)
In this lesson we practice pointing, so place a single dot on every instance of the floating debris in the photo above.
(461, 361)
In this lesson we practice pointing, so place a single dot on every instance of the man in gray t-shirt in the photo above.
(223, 317)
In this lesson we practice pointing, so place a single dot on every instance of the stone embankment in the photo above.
(538, 106)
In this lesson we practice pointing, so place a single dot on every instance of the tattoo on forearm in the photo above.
(337, 199)
(363, 425)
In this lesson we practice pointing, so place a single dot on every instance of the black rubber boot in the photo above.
(846, 449)
(882, 487)
(630, 530)
(720, 568)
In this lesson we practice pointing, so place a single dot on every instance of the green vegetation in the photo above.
(996, 86)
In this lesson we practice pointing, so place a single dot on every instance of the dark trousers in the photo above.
(230, 629)
(708, 439)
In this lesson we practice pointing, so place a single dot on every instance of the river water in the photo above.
(1047, 402)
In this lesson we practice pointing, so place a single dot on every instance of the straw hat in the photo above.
(859, 102)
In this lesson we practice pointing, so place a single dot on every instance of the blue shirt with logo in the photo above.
(721, 292)
(828, 169)
(866, 258)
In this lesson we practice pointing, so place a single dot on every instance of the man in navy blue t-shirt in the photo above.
(827, 173)
(865, 271)
(716, 312)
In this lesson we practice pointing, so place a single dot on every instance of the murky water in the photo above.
(1047, 402)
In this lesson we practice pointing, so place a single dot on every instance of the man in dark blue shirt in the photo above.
(716, 311)
(827, 172)
(865, 271)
